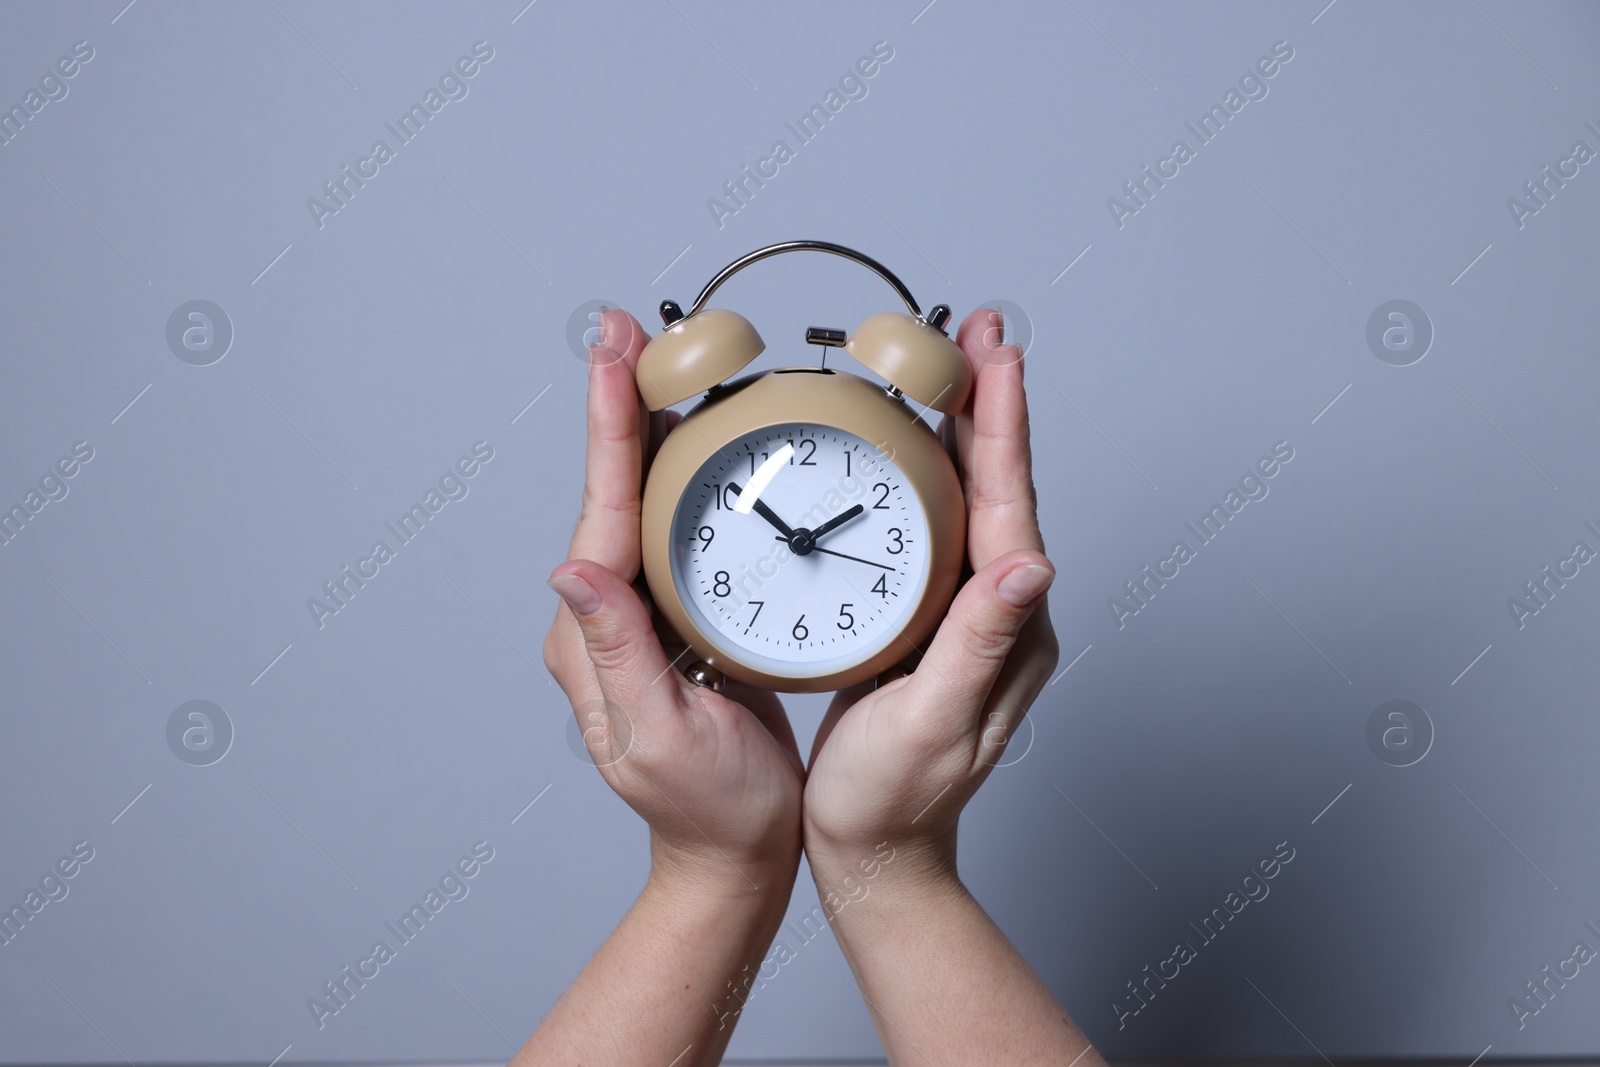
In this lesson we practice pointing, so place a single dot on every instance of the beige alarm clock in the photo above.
(803, 529)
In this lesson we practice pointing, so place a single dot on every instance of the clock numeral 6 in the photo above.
(847, 621)
(800, 631)
(719, 585)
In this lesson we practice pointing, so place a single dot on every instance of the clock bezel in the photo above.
(824, 398)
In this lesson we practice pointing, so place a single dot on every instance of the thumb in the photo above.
(621, 643)
(971, 646)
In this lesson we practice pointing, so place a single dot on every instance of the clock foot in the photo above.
(704, 676)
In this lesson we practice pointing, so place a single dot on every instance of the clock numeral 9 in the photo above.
(801, 631)
(705, 534)
(847, 621)
(719, 585)
(899, 545)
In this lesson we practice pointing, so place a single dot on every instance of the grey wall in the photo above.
(1169, 354)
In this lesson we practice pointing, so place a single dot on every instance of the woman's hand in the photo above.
(893, 767)
(717, 776)
(897, 763)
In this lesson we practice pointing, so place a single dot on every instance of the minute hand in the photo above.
(837, 521)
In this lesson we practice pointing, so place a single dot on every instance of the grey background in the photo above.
(371, 353)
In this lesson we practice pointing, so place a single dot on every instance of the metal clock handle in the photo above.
(936, 318)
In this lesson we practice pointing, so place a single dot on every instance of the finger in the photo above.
(969, 650)
(608, 525)
(1027, 670)
(627, 658)
(992, 439)
(982, 330)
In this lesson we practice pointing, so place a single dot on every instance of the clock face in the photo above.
(800, 550)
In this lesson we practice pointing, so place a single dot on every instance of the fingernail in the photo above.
(580, 596)
(1025, 584)
(601, 354)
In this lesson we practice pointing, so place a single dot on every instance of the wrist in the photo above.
(691, 878)
(917, 868)
(894, 913)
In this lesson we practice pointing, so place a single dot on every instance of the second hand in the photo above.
(841, 555)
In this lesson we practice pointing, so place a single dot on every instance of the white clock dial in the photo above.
(809, 603)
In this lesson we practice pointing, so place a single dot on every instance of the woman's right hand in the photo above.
(716, 775)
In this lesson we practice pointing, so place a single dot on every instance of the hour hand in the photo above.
(766, 513)
(837, 521)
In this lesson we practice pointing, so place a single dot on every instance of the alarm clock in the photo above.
(803, 529)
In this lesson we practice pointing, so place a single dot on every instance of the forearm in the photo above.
(942, 982)
(658, 991)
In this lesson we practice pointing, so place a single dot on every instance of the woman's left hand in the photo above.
(899, 762)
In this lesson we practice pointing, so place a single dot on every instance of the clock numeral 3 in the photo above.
(899, 545)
